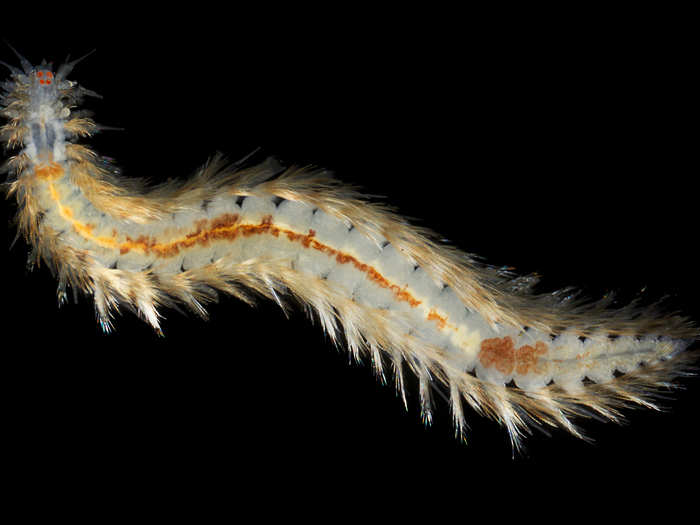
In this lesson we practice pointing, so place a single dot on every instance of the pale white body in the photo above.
(569, 360)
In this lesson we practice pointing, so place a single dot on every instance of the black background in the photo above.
(556, 148)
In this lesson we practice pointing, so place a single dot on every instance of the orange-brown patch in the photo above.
(226, 227)
(83, 228)
(501, 354)
(527, 357)
(434, 316)
(49, 171)
(498, 353)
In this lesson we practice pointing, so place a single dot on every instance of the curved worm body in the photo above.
(388, 288)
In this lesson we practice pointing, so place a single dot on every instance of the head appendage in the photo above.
(27, 68)
(26, 65)
(65, 68)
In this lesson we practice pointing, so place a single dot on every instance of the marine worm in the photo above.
(381, 287)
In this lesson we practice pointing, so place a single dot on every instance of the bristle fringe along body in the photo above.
(388, 290)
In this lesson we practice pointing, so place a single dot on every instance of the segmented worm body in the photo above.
(378, 285)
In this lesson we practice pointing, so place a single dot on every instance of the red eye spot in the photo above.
(48, 82)
(49, 74)
(40, 74)
(41, 81)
